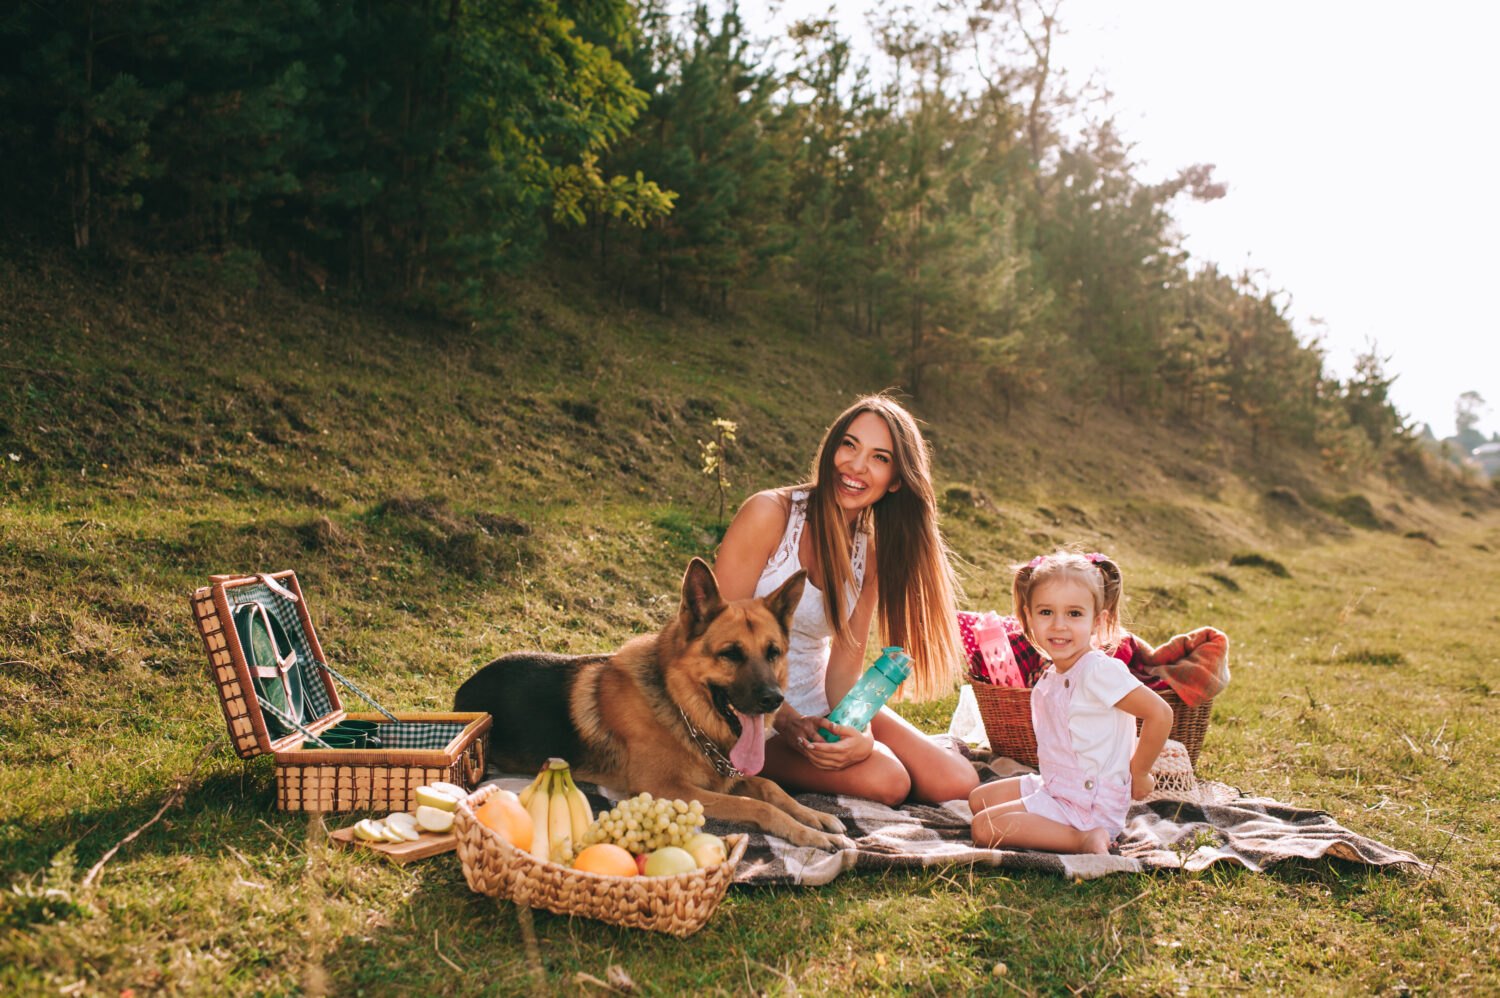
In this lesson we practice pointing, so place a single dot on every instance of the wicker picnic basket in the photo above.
(1006, 712)
(417, 748)
(678, 905)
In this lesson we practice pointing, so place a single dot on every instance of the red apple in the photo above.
(640, 862)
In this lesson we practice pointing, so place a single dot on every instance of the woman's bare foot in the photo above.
(1095, 840)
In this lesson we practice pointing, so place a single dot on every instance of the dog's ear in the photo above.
(783, 602)
(701, 601)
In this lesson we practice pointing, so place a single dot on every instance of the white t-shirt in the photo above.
(1103, 735)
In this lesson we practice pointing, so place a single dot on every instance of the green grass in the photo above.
(448, 494)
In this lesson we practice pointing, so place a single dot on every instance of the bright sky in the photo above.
(1359, 143)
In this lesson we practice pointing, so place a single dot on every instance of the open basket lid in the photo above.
(263, 649)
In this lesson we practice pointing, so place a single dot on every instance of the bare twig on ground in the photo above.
(315, 921)
(533, 951)
(440, 953)
(274, 830)
(54, 375)
(791, 983)
(179, 790)
(1125, 904)
(1089, 984)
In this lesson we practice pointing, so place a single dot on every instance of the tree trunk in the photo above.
(82, 202)
(914, 365)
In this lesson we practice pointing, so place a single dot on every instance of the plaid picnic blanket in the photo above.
(1161, 835)
(1255, 833)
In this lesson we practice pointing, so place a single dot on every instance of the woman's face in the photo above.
(865, 463)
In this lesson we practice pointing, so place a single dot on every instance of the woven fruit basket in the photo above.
(1006, 712)
(678, 905)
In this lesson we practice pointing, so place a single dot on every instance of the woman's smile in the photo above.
(866, 468)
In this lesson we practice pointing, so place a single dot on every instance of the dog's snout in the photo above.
(770, 698)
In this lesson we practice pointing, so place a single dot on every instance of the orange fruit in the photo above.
(505, 815)
(606, 858)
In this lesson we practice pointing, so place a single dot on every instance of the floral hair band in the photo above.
(1094, 557)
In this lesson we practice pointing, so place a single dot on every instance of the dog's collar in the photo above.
(715, 754)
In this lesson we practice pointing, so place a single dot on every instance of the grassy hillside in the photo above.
(450, 492)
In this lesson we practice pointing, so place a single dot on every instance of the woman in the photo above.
(865, 528)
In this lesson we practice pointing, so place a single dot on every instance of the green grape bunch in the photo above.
(644, 824)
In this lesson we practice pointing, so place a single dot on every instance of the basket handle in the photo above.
(359, 692)
(287, 594)
(277, 587)
(289, 722)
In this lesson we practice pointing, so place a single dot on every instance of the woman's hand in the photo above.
(853, 746)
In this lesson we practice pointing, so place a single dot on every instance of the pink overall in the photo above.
(1064, 792)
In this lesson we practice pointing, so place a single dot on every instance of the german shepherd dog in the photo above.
(680, 714)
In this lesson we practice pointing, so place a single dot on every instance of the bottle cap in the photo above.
(894, 664)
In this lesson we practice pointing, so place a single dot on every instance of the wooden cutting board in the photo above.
(430, 844)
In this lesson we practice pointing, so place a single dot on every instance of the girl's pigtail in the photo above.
(1020, 595)
(1114, 591)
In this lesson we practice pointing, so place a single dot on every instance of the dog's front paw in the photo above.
(818, 819)
(841, 842)
(829, 823)
(820, 840)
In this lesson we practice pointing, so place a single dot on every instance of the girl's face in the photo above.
(1062, 618)
(865, 462)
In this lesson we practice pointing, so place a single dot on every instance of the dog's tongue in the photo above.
(749, 753)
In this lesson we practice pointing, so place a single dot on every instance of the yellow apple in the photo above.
(706, 849)
(443, 800)
(434, 819)
(667, 861)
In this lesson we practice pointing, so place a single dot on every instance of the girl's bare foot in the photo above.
(1095, 840)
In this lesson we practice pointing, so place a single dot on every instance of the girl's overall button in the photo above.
(1088, 784)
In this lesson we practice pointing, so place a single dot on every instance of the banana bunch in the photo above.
(560, 813)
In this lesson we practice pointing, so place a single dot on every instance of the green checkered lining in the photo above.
(307, 666)
(418, 734)
(405, 735)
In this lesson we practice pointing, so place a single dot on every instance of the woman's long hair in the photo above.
(917, 585)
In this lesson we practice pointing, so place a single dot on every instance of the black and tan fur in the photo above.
(618, 719)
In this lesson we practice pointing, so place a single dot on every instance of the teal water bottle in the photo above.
(871, 692)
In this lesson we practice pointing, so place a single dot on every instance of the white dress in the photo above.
(811, 637)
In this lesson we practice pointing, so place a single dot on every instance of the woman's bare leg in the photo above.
(881, 777)
(906, 764)
(938, 773)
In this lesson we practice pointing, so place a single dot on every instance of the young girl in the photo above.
(1083, 708)
(865, 528)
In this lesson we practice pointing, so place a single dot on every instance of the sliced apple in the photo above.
(443, 800)
(451, 788)
(370, 830)
(404, 825)
(434, 819)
